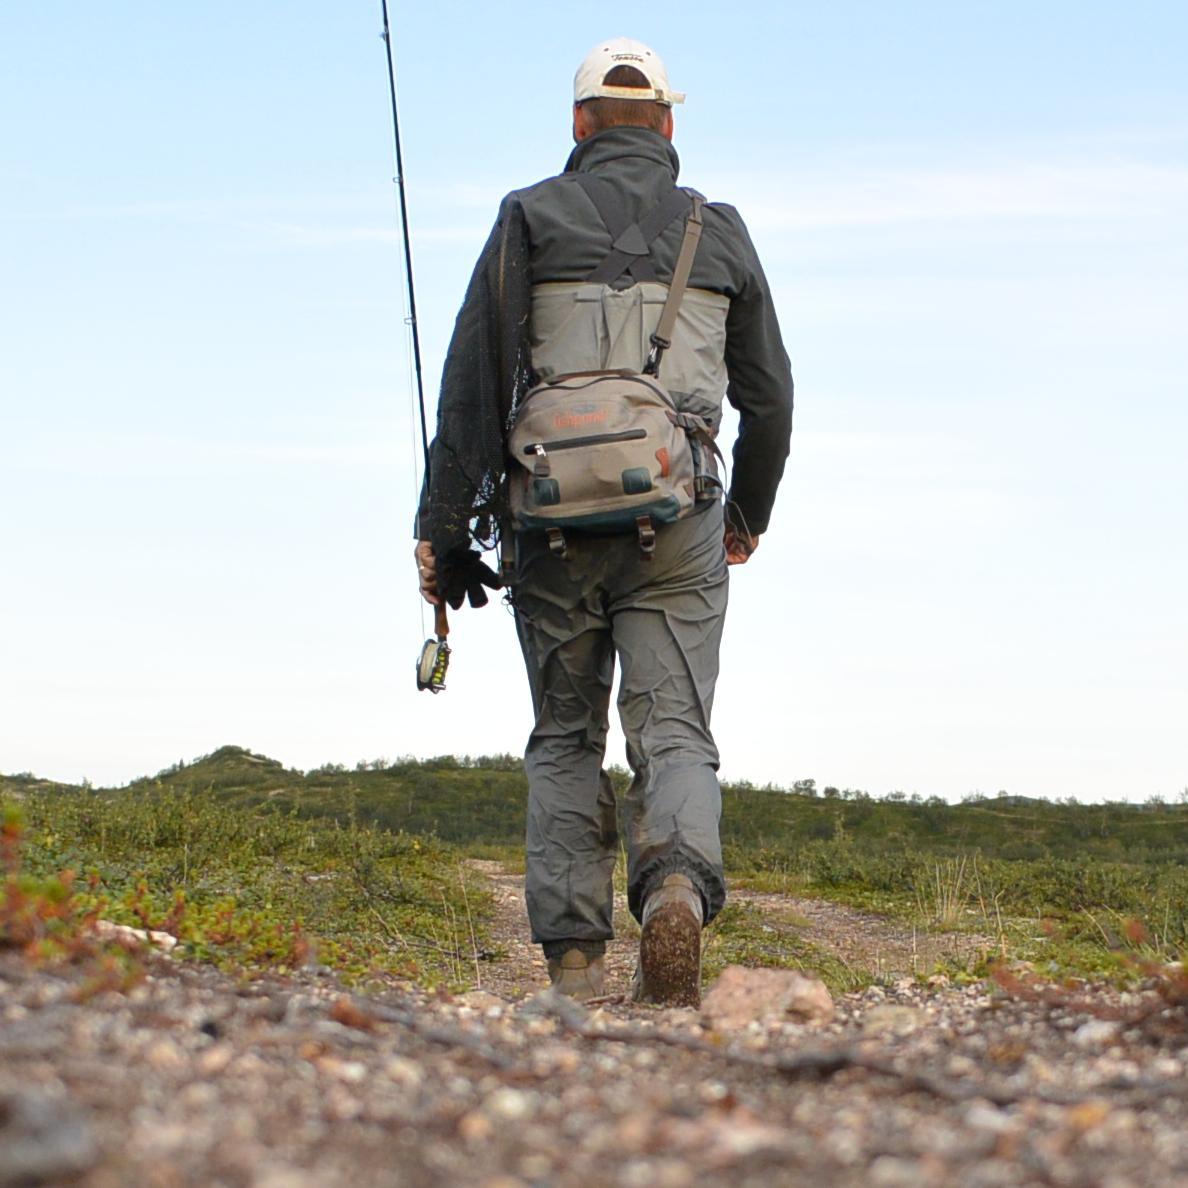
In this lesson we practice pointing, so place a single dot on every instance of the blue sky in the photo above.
(975, 221)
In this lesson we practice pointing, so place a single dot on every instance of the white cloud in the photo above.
(313, 236)
(1094, 188)
(146, 453)
(1026, 189)
(826, 193)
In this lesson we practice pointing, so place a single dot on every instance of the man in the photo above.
(540, 305)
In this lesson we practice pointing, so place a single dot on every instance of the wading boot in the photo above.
(669, 969)
(577, 975)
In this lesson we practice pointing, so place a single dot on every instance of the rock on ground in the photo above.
(741, 996)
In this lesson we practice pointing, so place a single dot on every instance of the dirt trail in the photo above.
(867, 943)
(886, 949)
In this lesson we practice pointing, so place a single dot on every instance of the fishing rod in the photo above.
(434, 659)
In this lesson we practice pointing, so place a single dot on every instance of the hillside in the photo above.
(482, 800)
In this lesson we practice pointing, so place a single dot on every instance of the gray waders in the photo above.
(663, 619)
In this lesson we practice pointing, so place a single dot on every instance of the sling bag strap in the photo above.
(662, 338)
(631, 242)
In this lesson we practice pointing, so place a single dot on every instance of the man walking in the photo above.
(575, 279)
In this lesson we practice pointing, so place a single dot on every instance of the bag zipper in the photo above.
(564, 383)
(573, 443)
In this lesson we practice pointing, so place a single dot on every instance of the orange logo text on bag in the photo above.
(576, 420)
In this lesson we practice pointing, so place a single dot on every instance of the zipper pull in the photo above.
(541, 469)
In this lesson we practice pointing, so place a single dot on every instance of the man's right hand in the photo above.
(427, 572)
(739, 546)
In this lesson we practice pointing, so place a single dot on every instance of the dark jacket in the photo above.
(567, 240)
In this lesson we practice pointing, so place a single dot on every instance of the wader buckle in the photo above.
(659, 346)
(557, 543)
(647, 537)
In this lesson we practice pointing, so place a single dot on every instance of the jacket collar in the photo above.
(612, 143)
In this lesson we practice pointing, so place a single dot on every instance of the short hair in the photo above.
(629, 113)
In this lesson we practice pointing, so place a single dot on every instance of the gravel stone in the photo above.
(306, 1083)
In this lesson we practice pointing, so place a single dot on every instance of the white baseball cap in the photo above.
(623, 51)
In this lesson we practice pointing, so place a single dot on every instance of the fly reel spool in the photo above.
(434, 660)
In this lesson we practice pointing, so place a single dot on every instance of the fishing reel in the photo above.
(435, 655)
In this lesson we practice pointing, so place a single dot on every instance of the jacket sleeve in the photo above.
(759, 386)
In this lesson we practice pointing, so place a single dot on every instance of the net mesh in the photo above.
(487, 370)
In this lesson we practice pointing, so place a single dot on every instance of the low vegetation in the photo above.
(248, 888)
(363, 869)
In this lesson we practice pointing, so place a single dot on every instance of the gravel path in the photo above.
(196, 1079)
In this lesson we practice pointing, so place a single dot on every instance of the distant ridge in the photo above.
(482, 801)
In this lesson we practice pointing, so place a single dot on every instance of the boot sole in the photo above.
(670, 958)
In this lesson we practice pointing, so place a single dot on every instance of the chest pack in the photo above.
(609, 451)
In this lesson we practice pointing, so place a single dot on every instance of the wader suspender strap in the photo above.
(631, 247)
